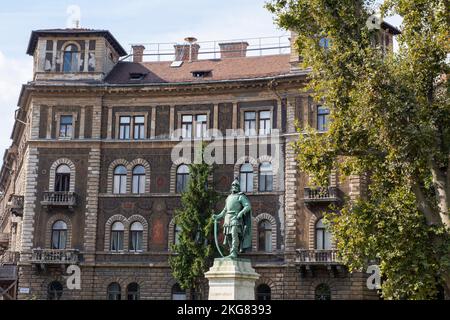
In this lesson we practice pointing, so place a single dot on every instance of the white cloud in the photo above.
(13, 73)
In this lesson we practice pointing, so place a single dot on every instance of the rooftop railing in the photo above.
(165, 51)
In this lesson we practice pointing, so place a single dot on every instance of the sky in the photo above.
(130, 21)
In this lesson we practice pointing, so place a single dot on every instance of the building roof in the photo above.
(220, 69)
(70, 33)
(392, 29)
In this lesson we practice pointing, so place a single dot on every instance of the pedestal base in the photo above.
(231, 280)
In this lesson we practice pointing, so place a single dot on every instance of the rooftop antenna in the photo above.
(73, 20)
(191, 41)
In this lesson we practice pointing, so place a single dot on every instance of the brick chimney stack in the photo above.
(182, 52)
(233, 49)
(138, 53)
(295, 57)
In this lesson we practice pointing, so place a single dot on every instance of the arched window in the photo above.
(136, 232)
(322, 292)
(54, 290)
(62, 178)
(113, 291)
(117, 231)
(138, 179)
(265, 177)
(133, 291)
(71, 54)
(120, 179)
(263, 292)
(178, 293)
(177, 232)
(265, 236)
(182, 178)
(323, 236)
(59, 235)
(246, 177)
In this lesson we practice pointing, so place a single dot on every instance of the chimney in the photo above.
(295, 57)
(187, 51)
(233, 49)
(138, 53)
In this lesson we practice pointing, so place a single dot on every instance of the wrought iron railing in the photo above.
(329, 194)
(54, 256)
(16, 202)
(316, 256)
(59, 198)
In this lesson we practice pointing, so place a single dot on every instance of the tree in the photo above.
(390, 122)
(193, 251)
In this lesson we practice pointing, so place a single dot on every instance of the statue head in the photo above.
(235, 186)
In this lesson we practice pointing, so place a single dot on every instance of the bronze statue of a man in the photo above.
(237, 227)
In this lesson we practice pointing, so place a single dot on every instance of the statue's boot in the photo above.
(232, 255)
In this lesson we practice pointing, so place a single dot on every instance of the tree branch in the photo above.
(440, 184)
(431, 216)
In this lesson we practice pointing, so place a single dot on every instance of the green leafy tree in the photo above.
(193, 252)
(390, 121)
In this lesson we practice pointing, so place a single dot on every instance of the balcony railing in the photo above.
(16, 205)
(59, 199)
(55, 256)
(313, 195)
(317, 256)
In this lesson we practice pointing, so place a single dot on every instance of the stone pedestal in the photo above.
(231, 280)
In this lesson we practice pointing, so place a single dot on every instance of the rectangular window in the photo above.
(250, 123)
(186, 126)
(138, 184)
(139, 128)
(264, 123)
(136, 241)
(116, 241)
(65, 127)
(200, 126)
(124, 128)
(322, 118)
(62, 182)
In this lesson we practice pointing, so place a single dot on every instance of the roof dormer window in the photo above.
(71, 58)
(136, 76)
(201, 73)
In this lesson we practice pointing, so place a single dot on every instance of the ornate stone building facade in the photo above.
(89, 178)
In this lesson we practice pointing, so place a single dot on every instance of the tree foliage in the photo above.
(193, 252)
(390, 121)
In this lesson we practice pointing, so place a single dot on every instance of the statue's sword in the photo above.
(216, 222)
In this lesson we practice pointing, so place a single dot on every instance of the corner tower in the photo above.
(73, 54)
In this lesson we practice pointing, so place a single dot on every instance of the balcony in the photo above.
(4, 239)
(8, 268)
(8, 272)
(59, 199)
(309, 261)
(16, 205)
(321, 195)
(54, 256)
(316, 256)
